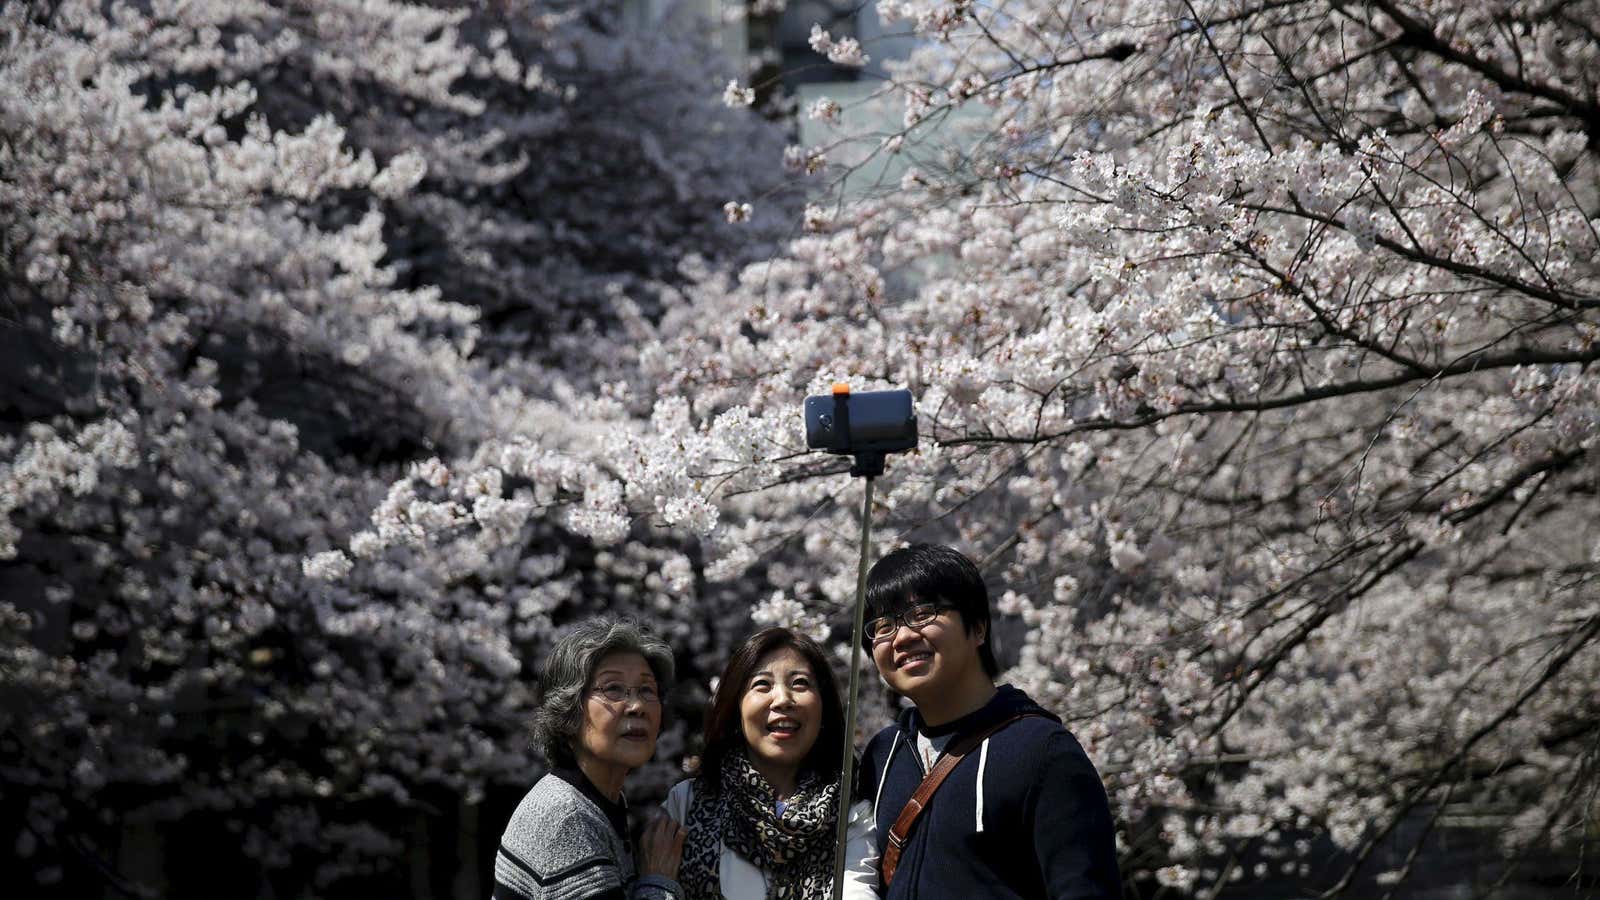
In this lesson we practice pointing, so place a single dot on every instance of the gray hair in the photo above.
(570, 666)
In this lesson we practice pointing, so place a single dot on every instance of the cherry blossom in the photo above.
(1252, 346)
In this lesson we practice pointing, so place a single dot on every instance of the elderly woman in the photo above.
(598, 721)
(762, 814)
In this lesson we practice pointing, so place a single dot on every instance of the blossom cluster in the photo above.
(1271, 409)
(1268, 411)
(286, 527)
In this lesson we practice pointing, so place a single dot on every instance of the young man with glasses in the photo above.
(1022, 812)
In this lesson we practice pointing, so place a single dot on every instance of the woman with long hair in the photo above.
(761, 814)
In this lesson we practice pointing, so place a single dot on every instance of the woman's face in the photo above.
(620, 733)
(781, 711)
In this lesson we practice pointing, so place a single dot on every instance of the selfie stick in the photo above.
(884, 422)
(842, 839)
(868, 465)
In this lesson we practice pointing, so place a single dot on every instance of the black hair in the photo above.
(932, 573)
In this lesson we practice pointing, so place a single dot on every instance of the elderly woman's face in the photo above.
(621, 712)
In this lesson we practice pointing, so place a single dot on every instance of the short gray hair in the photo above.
(570, 666)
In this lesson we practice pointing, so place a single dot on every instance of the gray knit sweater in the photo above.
(559, 845)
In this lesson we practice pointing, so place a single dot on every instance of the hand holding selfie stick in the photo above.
(866, 427)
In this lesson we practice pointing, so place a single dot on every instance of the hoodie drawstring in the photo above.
(983, 760)
(884, 775)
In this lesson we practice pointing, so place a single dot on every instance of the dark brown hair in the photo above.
(724, 732)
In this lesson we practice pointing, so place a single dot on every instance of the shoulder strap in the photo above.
(930, 783)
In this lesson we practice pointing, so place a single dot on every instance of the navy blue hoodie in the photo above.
(1023, 815)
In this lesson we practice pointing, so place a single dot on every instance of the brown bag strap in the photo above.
(930, 783)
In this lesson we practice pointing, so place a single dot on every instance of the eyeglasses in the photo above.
(618, 693)
(915, 617)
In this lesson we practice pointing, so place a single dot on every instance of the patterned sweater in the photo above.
(565, 842)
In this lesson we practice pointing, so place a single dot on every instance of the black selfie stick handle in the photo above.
(842, 839)
(867, 465)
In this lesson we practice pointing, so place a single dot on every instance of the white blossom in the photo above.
(824, 109)
(329, 565)
(736, 95)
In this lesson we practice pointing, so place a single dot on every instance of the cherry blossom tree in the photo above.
(259, 261)
(1252, 343)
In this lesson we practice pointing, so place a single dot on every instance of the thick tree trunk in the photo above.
(141, 860)
(467, 884)
(421, 857)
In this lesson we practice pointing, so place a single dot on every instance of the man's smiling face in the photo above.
(921, 662)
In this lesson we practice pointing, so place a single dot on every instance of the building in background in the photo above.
(767, 45)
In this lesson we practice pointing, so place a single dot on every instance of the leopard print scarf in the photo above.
(794, 850)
